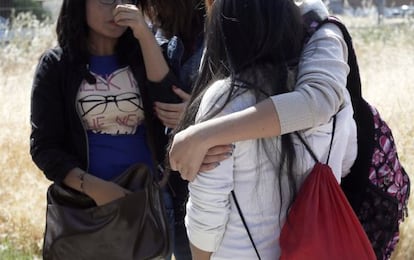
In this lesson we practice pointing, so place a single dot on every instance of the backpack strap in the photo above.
(354, 79)
(314, 22)
(245, 224)
(355, 183)
(313, 155)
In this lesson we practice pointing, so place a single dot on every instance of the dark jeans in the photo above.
(169, 209)
(178, 233)
(181, 244)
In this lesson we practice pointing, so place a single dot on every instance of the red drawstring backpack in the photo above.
(378, 187)
(321, 223)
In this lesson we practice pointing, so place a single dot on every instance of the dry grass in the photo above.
(386, 63)
(22, 193)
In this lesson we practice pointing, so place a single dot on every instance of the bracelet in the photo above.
(81, 180)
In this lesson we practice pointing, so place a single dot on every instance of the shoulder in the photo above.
(217, 96)
(329, 30)
(318, 9)
(316, 6)
(53, 54)
(218, 93)
(327, 40)
(51, 58)
(213, 97)
(216, 90)
(50, 64)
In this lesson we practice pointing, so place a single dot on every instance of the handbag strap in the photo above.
(245, 224)
(330, 145)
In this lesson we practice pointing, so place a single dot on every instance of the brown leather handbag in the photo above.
(133, 227)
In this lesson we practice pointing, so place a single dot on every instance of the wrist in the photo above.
(92, 185)
(76, 179)
(141, 31)
(85, 183)
(81, 177)
(203, 135)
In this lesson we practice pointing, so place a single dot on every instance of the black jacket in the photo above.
(58, 140)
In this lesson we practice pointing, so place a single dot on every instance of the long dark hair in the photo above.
(72, 35)
(257, 45)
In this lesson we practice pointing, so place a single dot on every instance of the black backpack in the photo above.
(377, 187)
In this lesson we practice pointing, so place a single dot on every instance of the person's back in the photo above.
(253, 47)
(249, 172)
(253, 174)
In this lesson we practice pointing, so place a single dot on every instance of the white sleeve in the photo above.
(321, 84)
(208, 207)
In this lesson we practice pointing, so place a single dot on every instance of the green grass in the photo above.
(8, 252)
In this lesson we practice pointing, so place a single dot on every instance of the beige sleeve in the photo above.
(321, 84)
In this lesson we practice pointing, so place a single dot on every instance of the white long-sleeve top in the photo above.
(212, 220)
(213, 223)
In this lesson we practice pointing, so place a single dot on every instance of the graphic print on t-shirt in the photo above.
(112, 105)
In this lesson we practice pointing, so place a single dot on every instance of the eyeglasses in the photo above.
(96, 104)
(111, 2)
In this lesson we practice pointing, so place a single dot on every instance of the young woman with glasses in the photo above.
(91, 112)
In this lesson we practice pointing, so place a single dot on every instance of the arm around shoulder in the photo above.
(320, 89)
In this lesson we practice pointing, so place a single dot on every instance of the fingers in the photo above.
(169, 114)
(126, 10)
(188, 175)
(221, 149)
(208, 159)
(126, 19)
(181, 93)
(168, 118)
(210, 162)
(215, 155)
(170, 107)
(173, 165)
(187, 152)
(128, 15)
(205, 167)
(184, 173)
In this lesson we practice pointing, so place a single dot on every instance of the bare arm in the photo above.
(199, 254)
(258, 121)
(155, 65)
(220, 131)
(319, 93)
(99, 190)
